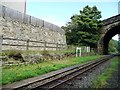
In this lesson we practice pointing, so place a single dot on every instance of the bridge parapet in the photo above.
(111, 20)
(111, 27)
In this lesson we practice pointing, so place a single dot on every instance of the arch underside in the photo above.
(108, 36)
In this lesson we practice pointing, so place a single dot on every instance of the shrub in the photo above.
(15, 54)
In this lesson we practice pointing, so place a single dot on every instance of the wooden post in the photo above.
(45, 44)
(62, 46)
(27, 45)
(1, 41)
(56, 46)
(3, 11)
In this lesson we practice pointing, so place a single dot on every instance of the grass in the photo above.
(71, 49)
(12, 52)
(101, 81)
(11, 74)
(0, 75)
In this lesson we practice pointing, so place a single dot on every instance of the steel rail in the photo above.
(57, 78)
(79, 71)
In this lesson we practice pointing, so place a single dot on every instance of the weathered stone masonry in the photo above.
(110, 28)
(14, 24)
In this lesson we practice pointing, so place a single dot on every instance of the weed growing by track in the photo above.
(15, 73)
(102, 80)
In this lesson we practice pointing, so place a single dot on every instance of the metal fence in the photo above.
(27, 44)
(14, 15)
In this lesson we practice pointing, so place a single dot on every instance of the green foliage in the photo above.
(118, 47)
(113, 46)
(102, 80)
(15, 73)
(12, 55)
(45, 52)
(84, 27)
(10, 52)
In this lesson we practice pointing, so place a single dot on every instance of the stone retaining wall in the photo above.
(14, 24)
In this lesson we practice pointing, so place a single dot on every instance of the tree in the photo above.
(113, 46)
(118, 43)
(84, 28)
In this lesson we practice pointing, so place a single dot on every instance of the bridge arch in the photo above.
(110, 28)
(108, 36)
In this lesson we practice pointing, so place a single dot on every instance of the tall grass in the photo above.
(102, 80)
(15, 73)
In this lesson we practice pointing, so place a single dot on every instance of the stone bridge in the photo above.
(110, 28)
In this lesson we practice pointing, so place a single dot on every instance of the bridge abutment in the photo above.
(100, 45)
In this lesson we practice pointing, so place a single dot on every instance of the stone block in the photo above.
(34, 21)
(1, 41)
(14, 15)
(20, 17)
(39, 22)
(49, 32)
(8, 13)
(47, 25)
(1, 10)
(26, 19)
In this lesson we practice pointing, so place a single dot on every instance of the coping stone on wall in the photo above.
(63, 32)
(26, 19)
(39, 22)
(58, 29)
(0, 10)
(33, 21)
(54, 28)
(51, 26)
(20, 16)
(14, 16)
(8, 13)
(47, 25)
(11, 14)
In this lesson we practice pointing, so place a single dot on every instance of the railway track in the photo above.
(54, 80)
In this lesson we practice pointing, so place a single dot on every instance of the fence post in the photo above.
(63, 46)
(45, 44)
(88, 49)
(1, 41)
(27, 45)
(56, 46)
(78, 51)
(3, 11)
